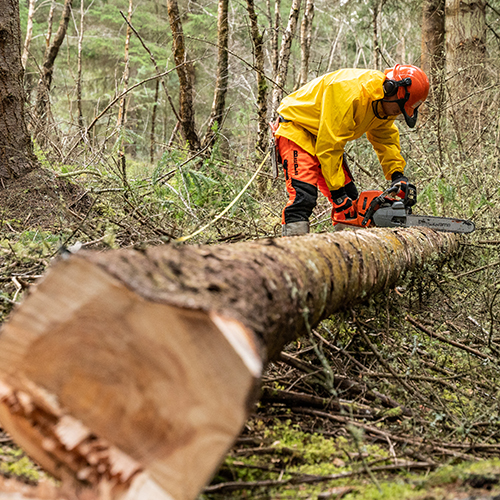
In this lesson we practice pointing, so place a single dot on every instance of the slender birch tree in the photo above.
(79, 66)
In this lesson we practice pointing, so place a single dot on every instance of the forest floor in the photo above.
(396, 397)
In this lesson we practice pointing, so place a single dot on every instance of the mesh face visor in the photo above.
(411, 121)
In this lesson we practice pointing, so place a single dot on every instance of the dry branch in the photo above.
(454, 343)
(133, 371)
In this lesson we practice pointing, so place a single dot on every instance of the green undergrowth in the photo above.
(15, 463)
(308, 455)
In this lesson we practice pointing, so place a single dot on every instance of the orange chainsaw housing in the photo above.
(361, 205)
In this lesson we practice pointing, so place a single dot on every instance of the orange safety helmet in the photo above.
(412, 87)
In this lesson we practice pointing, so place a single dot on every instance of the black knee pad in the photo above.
(305, 200)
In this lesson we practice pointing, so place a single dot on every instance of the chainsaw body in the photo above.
(380, 209)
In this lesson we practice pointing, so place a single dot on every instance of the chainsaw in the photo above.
(380, 209)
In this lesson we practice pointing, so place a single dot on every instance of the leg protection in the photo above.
(301, 174)
(303, 197)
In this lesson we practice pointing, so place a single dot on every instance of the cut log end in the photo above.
(114, 392)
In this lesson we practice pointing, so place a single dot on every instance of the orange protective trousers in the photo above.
(303, 178)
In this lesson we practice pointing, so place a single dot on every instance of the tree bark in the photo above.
(432, 59)
(81, 124)
(284, 57)
(16, 149)
(275, 24)
(42, 98)
(29, 33)
(134, 371)
(433, 30)
(305, 41)
(258, 52)
(222, 78)
(152, 139)
(465, 49)
(378, 5)
(122, 110)
(185, 72)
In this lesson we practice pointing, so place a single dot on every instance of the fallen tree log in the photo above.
(131, 372)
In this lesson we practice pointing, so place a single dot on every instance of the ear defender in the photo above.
(391, 86)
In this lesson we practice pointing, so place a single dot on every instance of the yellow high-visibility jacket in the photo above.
(336, 108)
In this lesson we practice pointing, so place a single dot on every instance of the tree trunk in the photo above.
(42, 98)
(377, 10)
(122, 110)
(258, 52)
(222, 78)
(432, 57)
(81, 124)
(465, 49)
(152, 140)
(134, 370)
(185, 72)
(29, 33)
(16, 149)
(274, 30)
(305, 41)
(284, 57)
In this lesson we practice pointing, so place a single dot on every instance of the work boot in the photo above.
(295, 228)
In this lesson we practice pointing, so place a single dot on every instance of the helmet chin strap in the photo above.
(375, 109)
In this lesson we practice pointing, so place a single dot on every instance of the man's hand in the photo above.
(399, 178)
(342, 205)
(351, 190)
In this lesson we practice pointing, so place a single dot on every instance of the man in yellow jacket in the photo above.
(318, 120)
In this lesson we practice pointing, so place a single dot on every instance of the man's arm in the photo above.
(385, 141)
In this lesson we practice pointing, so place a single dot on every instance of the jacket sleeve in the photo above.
(385, 141)
(336, 127)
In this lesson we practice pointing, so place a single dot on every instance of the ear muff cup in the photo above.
(390, 88)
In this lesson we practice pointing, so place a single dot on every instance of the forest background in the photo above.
(150, 158)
